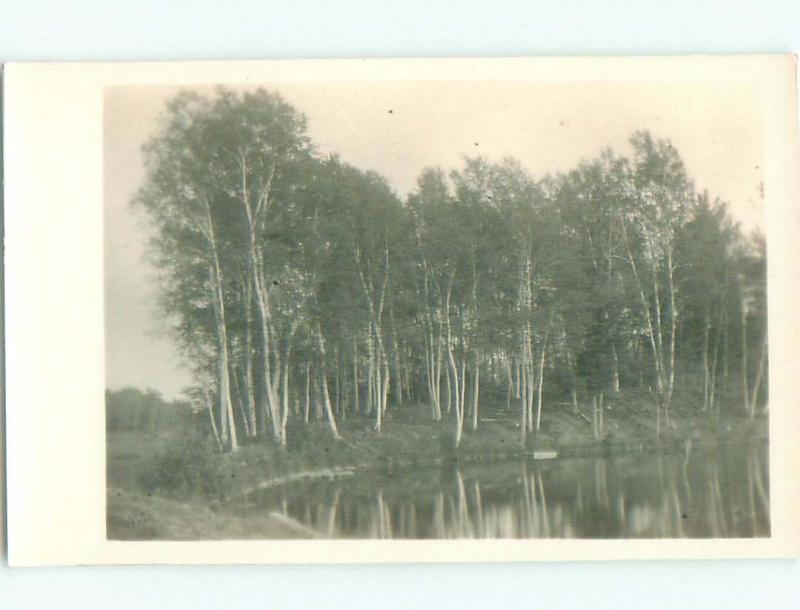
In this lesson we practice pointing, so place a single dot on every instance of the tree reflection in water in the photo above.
(697, 493)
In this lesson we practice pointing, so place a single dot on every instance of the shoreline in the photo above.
(153, 490)
(414, 441)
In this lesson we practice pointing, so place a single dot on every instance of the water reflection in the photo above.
(695, 493)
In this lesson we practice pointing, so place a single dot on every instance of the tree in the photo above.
(214, 174)
(298, 281)
(660, 197)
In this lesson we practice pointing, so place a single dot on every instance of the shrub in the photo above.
(190, 467)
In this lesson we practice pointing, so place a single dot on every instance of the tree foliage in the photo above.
(305, 289)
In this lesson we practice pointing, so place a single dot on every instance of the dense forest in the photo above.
(306, 290)
(132, 410)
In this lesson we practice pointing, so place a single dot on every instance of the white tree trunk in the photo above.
(673, 317)
(227, 421)
(706, 368)
(454, 371)
(248, 357)
(323, 373)
(655, 341)
(356, 399)
(541, 382)
(759, 374)
(307, 406)
(745, 391)
(476, 391)
(285, 389)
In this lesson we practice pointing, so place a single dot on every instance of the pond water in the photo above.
(699, 493)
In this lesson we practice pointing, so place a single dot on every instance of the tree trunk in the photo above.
(454, 370)
(531, 383)
(661, 371)
(285, 400)
(285, 387)
(456, 393)
(357, 406)
(601, 414)
(240, 401)
(448, 384)
(376, 317)
(407, 372)
(345, 393)
(398, 385)
(248, 357)
(614, 368)
(541, 381)
(706, 369)
(385, 396)
(255, 214)
(337, 394)
(326, 403)
(317, 385)
(713, 380)
(323, 373)
(308, 393)
(510, 374)
(673, 317)
(476, 391)
(276, 366)
(433, 357)
(523, 386)
(227, 421)
(745, 391)
(372, 378)
(462, 399)
(651, 332)
(214, 429)
(262, 299)
(759, 374)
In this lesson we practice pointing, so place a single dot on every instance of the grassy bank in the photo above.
(174, 486)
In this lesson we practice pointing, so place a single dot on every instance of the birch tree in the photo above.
(304, 291)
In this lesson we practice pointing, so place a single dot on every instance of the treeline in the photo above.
(306, 289)
(132, 410)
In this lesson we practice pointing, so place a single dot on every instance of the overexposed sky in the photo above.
(397, 129)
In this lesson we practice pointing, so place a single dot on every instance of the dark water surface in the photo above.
(710, 492)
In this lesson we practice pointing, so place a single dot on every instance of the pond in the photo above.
(699, 493)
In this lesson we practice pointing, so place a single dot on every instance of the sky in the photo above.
(397, 129)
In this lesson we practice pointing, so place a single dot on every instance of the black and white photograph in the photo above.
(504, 309)
(400, 305)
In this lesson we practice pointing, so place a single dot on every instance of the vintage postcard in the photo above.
(402, 310)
